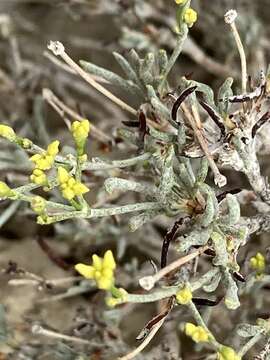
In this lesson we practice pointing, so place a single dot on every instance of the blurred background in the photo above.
(91, 30)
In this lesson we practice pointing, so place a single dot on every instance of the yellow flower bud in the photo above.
(180, 2)
(109, 261)
(257, 262)
(7, 132)
(69, 186)
(80, 131)
(80, 189)
(38, 204)
(227, 353)
(45, 160)
(5, 190)
(190, 329)
(97, 262)
(197, 333)
(184, 296)
(190, 17)
(68, 194)
(35, 158)
(71, 182)
(53, 148)
(85, 270)
(62, 175)
(38, 177)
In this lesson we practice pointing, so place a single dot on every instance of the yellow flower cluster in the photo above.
(69, 186)
(7, 132)
(44, 162)
(184, 296)
(197, 333)
(190, 17)
(38, 177)
(80, 131)
(101, 270)
(257, 262)
(227, 353)
(5, 190)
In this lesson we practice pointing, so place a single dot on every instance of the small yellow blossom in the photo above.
(180, 2)
(45, 161)
(227, 353)
(80, 131)
(53, 148)
(101, 270)
(7, 132)
(184, 296)
(5, 190)
(69, 186)
(197, 333)
(39, 177)
(190, 17)
(63, 175)
(38, 204)
(257, 262)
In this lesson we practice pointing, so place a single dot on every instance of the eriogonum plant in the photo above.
(186, 140)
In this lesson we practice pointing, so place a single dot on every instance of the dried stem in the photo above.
(220, 179)
(58, 49)
(230, 17)
(62, 109)
(148, 282)
(39, 330)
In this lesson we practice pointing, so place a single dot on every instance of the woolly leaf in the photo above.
(213, 283)
(247, 330)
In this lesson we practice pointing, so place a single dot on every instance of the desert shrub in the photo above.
(184, 141)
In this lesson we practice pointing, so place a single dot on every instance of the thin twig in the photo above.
(220, 179)
(62, 109)
(148, 282)
(59, 50)
(68, 69)
(39, 330)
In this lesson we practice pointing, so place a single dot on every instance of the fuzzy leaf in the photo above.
(231, 297)
(220, 246)
(247, 330)
(224, 93)
(196, 237)
(213, 283)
